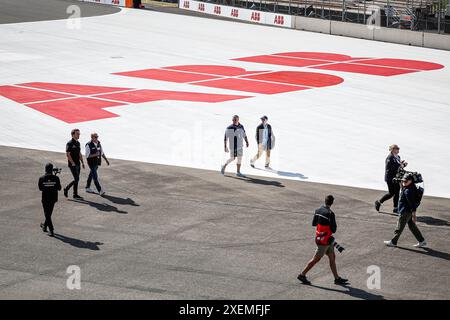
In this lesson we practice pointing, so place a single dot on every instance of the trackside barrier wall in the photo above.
(119, 3)
(401, 36)
(260, 17)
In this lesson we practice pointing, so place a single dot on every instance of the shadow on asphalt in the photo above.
(79, 243)
(124, 201)
(429, 252)
(432, 221)
(259, 181)
(353, 292)
(285, 173)
(100, 206)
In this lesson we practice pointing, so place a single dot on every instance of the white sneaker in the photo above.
(89, 190)
(422, 244)
(389, 243)
(102, 192)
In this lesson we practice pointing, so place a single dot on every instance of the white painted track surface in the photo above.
(337, 135)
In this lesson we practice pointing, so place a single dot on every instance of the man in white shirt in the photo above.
(94, 154)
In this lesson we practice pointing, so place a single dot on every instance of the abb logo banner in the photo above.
(241, 14)
(120, 3)
(73, 103)
(256, 16)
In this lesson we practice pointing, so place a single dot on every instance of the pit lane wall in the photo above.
(118, 3)
(362, 31)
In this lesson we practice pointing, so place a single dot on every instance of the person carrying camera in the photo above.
(392, 164)
(49, 184)
(325, 222)
(407, 206)
(74, 157)
(94, 154)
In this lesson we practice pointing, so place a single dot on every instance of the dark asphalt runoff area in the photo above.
(166, 232)
(15, 11)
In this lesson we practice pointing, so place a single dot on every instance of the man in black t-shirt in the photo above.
(74, 157)
(49, 184)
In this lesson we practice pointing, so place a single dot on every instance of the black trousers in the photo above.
(76, 178)
(48, 211)
(394, 192)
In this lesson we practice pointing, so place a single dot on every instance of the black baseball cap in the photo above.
(264, 118)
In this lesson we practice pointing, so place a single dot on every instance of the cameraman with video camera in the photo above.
(325, 223)
(49, 184)
(392, 165)
(409, 201)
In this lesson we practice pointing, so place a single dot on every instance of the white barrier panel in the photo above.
(401, 36)
(436, 41)
(355, 30)
(312, 24)
(268, 18)
(119, 3)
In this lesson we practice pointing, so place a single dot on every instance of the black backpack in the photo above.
(419, 195)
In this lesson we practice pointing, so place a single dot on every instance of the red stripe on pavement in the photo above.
(72, 88)
(250, 86)
(25, 95)
(145, 95)
(310, 79)
(283, 61)
(364, 69)
(402, 63)
(166, 75)
(76, 109)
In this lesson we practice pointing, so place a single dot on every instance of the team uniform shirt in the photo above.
(49, 185)
(235, 135)
(73, 146)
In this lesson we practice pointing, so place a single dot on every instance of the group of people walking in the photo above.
(404, 194)
(50, 184)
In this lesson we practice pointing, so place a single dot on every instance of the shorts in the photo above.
(324, 250)
(237, 153)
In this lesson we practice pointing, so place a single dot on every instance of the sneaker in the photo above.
(395, 210)
(66, 192)
(422, 244)
(340, 281)
(377, 205)
(390, 243)
(75, 196)
(44, 229)
(51, 233)
(252, 165)
(240, 175)
(222, 170)
(89, 190)
(303, 279)
(268, 167)
(101, 193)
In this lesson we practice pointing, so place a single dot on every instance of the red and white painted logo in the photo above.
(77, 103)
(186, 4)
(256, 16)
(217, 10)
(201, 7)
(235, 13)
(279, 20)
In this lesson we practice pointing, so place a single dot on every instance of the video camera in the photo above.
(417, 177)
(56, 171)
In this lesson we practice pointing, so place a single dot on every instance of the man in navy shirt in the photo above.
(407, 207)
(74, 157)
(235, 135)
